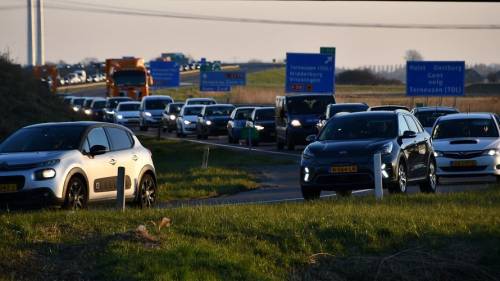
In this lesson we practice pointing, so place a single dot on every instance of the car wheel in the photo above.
(344, 193)
(402, 180)
(279, 144)
(310, 193)
(430, 183)
(76, 195)
(147, 191)
(289, 143)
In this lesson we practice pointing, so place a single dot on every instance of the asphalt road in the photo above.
(281, 183)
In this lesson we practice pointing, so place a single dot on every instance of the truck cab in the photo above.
(127, 77)
(297, 116)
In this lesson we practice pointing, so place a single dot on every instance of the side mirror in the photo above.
(311, 138)
(98, 150)
(409, 135)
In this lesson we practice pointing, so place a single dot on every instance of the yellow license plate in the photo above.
(464, 163)
(8, 187)
(344, 169)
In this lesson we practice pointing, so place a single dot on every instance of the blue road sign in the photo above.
(310, 73)
(165, 74)
(221, 81)
(435, 78)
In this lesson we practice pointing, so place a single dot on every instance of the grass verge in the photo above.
(180, 176)
(417, 237)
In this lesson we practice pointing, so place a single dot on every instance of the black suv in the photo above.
(341, 157)
(212, 121)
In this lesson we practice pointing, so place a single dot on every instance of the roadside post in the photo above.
(377, 175)
(120, 189)
(204, 161)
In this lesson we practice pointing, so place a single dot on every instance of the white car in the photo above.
(467, 144)
(127, 113)
(186, 121)
(198, 101)
(73, 163)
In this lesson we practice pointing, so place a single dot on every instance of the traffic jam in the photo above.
(417, 146)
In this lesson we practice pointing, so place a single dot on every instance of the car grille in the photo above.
(19, 167)
(358, 178)
(462, 154)
(464, 169)
(17, 180)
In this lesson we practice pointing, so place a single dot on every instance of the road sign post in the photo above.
(120, 189)
(377, 175)
(310, 73)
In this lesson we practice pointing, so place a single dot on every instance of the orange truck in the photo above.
(49, 73)
(127, 77)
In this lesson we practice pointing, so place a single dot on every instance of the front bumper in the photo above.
(298, 135)
(321, 175)
(151, 122)
(128, 121)
(37, 197)
(483, 165)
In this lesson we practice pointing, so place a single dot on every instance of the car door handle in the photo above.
(112, 161)
(134, 157)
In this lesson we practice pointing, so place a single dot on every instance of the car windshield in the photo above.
(202, 102)
(155, 104)
(192, 110)
(113, 103)
(219, 111)
(265, 114)
(427, 118)
(129, 107)
(129, 77)
(465, 128)
(308, 104)
(175, 108)
(43, 139)
(78, 101)
(360, 127)
(243, 114)
(346, 108)
(87, 103)
(99, 104)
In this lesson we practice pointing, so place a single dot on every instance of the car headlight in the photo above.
(119, 116)
(45, 174)
(88, 111)
(110, 112)
(187, 122)
(307, 154)
(259, 127)
(491, 152)
(295, 123)
(385, 149)
(208, 122)
(172, 117)
(147, 114)
(438, 154)
(76, 108)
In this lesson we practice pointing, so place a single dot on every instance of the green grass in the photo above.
(180, 176)
(417, 237)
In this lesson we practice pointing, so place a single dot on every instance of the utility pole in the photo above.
(31, 40)
(40, 56)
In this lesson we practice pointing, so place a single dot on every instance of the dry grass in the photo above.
(372, 95)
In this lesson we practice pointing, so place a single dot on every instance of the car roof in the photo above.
(86, 124)
(157, 97)
(193, 105)
(370, 113)
(434, 108)
(475, 115)
(245, 107)
(176, 103)
(119, 98)
(219, 105)
(129, 102)
(199, 99)
(265, 108)
(348, 104)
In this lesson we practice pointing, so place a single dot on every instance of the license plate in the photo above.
(8, 187)
(464, 163)
(344, 169)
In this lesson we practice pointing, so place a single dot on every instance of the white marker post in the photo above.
(120, 189)
(377, 176)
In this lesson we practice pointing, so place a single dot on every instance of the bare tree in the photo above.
(413, 55)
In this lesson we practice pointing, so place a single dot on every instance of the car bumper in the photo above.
(216, 130)
(151, 122)
(483, 165)
(37, 197)
(299, 135)
(322, 176)
(128, 121)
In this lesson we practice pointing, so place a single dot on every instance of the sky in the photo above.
(74, 35)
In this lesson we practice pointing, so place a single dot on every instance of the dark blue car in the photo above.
(212, 120)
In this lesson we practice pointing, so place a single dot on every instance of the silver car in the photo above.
(127, 113)
(467, 144)
(186, 121)
(71, 164)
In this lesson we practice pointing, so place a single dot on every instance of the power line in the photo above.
(76, 6)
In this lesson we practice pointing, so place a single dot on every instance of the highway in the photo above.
(281, 183)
